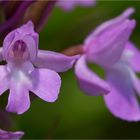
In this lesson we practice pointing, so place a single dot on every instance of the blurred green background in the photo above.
(74, 114)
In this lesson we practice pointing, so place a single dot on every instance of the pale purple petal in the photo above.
(19, 84)
(107, 49)
(88, 81)
(132, 55)
(26, 29)
(110, 24)
(69, 5)
(18, 100)
(54, 61)
(11, 135)
(122, 101)
(46, 84)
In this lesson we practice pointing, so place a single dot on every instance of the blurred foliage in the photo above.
(74, 114)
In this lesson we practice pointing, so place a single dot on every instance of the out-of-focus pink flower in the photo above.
(69, 5)
(107, 46)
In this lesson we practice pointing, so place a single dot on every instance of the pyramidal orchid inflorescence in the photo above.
(23, 72)
(108, 47)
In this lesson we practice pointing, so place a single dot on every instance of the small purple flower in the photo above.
(105, 47)
(11, 135)
(69, 5)
(20, 50)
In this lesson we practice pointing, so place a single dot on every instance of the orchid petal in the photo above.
(122, 101)
(19, 84)
(110, 24)
(89, 82)
(108, 47)
(18, 100)
(55, 61)
(46, 84)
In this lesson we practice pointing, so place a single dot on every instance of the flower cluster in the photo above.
(29, 69)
